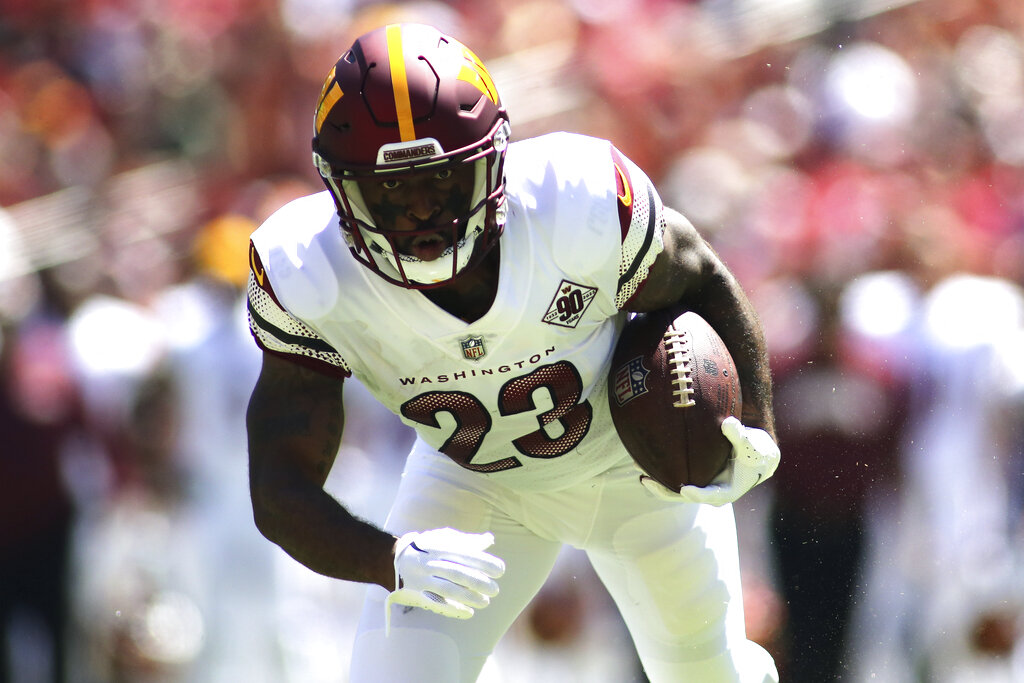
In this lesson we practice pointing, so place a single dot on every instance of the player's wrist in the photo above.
(758, 420)
(383, 572)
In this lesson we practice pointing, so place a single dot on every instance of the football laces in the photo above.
(679, 349)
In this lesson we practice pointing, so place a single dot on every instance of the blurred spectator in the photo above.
(967, 569)
(40, 416)
(840, 410)
(943, 594)
(139, 579)
(211, 368)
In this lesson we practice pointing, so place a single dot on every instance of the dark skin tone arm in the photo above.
(295, 420)
(689, 271)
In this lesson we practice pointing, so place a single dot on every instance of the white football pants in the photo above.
(672, 569)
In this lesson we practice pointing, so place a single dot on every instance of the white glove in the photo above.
(444, 571)
(755, 455)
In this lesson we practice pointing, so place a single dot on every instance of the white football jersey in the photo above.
(520, 394)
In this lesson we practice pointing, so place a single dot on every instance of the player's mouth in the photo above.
(427, 247)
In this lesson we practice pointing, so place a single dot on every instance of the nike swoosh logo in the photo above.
(627, 197)
(260, 273)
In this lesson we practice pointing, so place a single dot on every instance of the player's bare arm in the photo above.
(295, 421)
(689, 271)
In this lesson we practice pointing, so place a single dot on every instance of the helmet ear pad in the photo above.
(404, 99)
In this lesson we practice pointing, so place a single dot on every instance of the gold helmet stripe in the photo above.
(329, 96)
(400, 83)
(475, 73)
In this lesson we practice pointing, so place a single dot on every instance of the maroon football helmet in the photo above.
(406, 99)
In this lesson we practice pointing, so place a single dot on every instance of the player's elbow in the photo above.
(267, 508)
(263, 512)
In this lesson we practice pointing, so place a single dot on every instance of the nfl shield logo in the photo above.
(473, 348)
(629, 381)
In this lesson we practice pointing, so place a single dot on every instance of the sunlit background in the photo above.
(858, 163)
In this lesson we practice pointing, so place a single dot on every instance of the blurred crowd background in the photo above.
(859, 164)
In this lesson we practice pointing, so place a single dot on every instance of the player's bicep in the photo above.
(680, 270)
(294, 421)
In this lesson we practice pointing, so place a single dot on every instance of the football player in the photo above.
(476, 287)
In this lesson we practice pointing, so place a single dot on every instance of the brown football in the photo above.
(671, 385)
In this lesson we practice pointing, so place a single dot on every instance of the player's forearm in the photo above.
(723, 303)
(295, 422)
(316, 530)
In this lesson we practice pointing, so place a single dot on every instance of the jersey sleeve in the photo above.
(642, 225)
(278, 332)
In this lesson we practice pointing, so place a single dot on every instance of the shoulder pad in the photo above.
(300, 246)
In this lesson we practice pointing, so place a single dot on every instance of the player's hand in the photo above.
(445, 571)
(755, 456)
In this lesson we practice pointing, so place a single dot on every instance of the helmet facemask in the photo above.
(469, 236)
